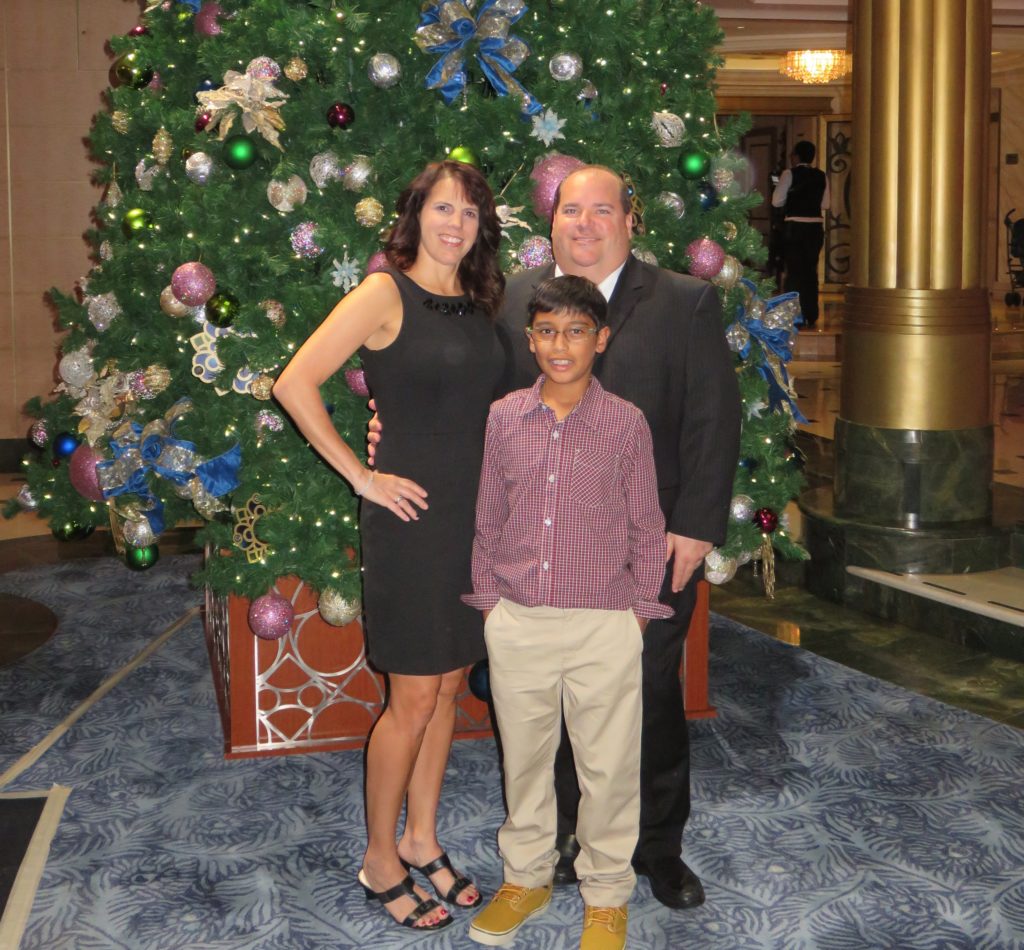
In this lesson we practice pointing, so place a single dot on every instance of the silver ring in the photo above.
(398, 498)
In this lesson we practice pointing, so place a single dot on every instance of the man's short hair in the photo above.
(805, 151)
(569, 294)
(624, 198)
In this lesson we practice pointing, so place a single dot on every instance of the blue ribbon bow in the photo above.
(777, 341)
(138, 451)
(447, 28)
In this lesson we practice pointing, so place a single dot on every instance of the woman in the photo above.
(423, 330)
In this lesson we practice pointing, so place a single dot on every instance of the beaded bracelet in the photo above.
(362, 491)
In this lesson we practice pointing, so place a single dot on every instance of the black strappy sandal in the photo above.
(405, 888)
(444, 864)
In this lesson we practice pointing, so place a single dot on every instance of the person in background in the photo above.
(803, 194)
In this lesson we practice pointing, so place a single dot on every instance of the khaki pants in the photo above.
(544, 661)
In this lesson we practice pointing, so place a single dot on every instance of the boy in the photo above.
(568, 560)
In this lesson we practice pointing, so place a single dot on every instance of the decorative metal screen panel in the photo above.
(838, 162)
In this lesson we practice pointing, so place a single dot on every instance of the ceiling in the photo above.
(768, 26)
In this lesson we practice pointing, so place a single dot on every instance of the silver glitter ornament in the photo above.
(325, 168)
(275, 312)
(171, 305)
(75, 368)
(588, 91)
(145, 174)
(565, 67)
(106, 251)
(384, 70)
(26, 500)
(648, 257)
(668, 128)
(336, 609)
(741, 508)
(722, 178)
(102, 309)
(673, 202)
(719, 569)
(139, 533)
(737, 337)
(357, 173)
(198, 168)
(39, 433)
(287, 195)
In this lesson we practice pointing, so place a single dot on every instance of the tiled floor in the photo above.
(955, 674)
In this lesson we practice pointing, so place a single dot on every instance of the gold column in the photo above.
(916, 333)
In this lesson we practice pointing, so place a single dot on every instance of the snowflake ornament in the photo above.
(345, 273)
(755, 408)
(547, 126)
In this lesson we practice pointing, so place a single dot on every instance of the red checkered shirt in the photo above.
(567, 514)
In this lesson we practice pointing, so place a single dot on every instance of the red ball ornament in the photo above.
(138, 30)
(202, 121)
(766, 520)
(664, 88)
(340, 115)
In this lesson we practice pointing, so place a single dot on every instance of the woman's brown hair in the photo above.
(479, 273)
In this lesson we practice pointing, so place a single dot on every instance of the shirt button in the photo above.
(554, 435)
(547, 522)
(551, 477)
(545, 565)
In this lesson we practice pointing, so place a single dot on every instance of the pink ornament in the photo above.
(706, 258)
(378, 261)
(39, 434)
(205, 21)
(82, 472)
(270, 616)
(304, 240)
(548, 173)
(156, 82)
(535, 251)
(263, 67)
(356, 381)
(193, 284)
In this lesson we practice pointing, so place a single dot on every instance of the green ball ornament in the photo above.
(221, 310)
(135, 221)
(239, 151)
(465, 155)
(128, 70)
(694, 163)
(141, 559)
(71, 531)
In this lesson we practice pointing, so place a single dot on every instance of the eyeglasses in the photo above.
(550, 334)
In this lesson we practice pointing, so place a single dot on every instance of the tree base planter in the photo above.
(314, 691)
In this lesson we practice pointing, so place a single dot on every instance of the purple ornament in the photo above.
(355, 379)
(766, 520)
(82, 472)
(548, 173)
(535, 251)
(270, 616)
(193, 284)
(265, 419)
(706, 258)
(263, 67)
(156, 82)
(378, 261)
(304, 240)
(205, 21)
(39, 434)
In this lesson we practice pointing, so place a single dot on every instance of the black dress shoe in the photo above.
(567, 847)
(672, 882)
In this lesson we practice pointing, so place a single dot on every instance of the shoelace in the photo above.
(607, 916)
(510, 893)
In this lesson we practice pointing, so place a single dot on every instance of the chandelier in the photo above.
(815, 65)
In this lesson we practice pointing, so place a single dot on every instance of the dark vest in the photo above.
(805, 193)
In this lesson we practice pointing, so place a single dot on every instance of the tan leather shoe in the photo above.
(604, 928)
(509, 909)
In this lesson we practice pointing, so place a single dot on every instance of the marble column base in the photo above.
(836, 542)
(913, 478)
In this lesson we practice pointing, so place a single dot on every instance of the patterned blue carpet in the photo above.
(831, 810)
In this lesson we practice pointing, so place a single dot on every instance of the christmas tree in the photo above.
(252, 153)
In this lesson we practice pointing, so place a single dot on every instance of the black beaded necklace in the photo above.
(460, 309)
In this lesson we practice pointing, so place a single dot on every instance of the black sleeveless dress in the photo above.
(433, 387)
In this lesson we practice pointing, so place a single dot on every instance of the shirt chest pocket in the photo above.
(594, 478)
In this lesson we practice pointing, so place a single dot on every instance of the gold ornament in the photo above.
(162, 146)
(296, 70)
(262, 386)
(369, 212)
(337, 609)
(731, 272)
(171, 305)
(244, 536)
(729, 230)
(157, 377)
(120, 121)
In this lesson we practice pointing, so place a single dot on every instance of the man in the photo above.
(803, 194)
(666, 354)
